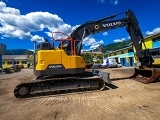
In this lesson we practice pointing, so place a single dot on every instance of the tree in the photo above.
(114, 46)
(88, 58)
(27, 52)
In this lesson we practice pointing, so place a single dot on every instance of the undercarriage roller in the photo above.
(22, 90)
(51, 87)
(146, 75)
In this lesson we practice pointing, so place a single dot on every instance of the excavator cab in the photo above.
(67, 44)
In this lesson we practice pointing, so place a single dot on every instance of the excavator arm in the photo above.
(145, 73)
(132, 27)
(90, 28)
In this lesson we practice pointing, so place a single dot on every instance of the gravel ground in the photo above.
(129, 100)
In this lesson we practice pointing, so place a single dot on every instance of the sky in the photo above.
(25, 21)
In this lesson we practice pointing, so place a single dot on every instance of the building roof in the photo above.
(131, 46)
(119, 50)
(14, 57)
(98, 52)
(151, 35)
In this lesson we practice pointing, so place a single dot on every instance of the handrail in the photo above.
(69, 38)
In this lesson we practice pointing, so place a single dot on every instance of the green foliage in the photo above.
(31, 59)
(88, 58)
(27, 52)
(16, 52)
(114, 46)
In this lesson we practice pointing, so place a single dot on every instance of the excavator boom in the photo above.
(132, 27)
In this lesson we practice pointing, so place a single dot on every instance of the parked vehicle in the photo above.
(15, 68)
(96, 66)
(89, 66)
(21, 66)
(111, 62)
(119, 64)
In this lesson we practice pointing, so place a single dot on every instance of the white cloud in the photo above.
(101, 42)
(85, 50)
(105, 33)
(74, 27)
(119, 40)
(49, 34)
(102, 1)
(156, 30)
(37, 38)
(129, 37)
(31, 50)
(2, 37)
(114, 2)
(95, 45)
(90, 41)
(8, 10)
(15, 25)
(123, 39)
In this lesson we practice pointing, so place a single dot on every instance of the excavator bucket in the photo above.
(146, 75)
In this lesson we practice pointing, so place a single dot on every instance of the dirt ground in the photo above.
(131, 100)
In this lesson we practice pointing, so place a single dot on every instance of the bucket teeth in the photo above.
(146, 75)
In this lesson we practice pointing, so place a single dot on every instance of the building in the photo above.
(97, 57)
(152, 42)
(9, 60)
(2, 52)
(126, 56)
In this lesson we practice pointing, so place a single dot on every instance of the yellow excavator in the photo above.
(63, 70)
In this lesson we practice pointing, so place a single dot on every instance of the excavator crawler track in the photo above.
(59, 85)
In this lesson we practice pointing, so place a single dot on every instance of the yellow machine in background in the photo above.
(156, 56)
